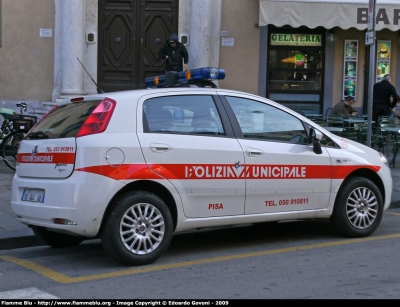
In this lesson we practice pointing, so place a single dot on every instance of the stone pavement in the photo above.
(10, 228)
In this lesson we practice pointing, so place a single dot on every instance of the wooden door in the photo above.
(131, 33)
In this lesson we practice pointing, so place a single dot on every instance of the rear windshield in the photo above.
(65, 121)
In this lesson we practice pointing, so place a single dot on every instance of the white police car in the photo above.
(134, 167)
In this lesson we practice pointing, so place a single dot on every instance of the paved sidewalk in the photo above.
(11, 228)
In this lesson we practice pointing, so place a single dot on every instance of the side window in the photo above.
(262, 121)
(327, 141)
(182, 115)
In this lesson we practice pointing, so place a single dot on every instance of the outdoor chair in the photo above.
(327, 112)
(320, 122)
(386, 118)
(334, 121)
(378, 140)
(351, 133)
(390, 133)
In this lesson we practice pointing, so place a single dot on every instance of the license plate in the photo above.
(33, 195)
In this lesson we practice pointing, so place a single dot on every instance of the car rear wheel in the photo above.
(358, 208)
(55, 239)
(138, 229)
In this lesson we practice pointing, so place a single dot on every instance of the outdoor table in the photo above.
(357, 120)
(313, 115)
(395, 131)
(333, 129)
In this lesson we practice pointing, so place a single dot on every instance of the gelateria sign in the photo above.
(284, 39)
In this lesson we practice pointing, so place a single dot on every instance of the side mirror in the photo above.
(317, 147)
(315, 137)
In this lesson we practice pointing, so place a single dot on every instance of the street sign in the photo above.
(228, 41)
(369, 37)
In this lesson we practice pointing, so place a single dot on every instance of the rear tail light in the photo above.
(61, 221)
(77, 99)
(98, 120)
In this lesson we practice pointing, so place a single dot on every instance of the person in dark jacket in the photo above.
(175, 54)
(344, 108)
(381, 104)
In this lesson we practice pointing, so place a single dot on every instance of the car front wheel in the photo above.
(358, 208)
(138, 229)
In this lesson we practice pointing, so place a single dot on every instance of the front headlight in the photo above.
(383, 158)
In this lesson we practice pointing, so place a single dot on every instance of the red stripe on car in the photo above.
(226, 172)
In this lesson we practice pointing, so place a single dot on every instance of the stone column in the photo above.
(70, 46)
(205, 26)
(91, 47)
(57, 50)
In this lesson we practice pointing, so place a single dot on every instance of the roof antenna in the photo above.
(90, 76)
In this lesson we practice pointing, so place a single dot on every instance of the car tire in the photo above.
(57, 240)
(358, 208)
(138, 229)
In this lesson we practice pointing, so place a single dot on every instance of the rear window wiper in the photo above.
(38, 135)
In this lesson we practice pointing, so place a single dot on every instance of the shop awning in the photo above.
(329, 13)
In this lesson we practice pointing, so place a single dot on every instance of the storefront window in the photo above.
(295, 69)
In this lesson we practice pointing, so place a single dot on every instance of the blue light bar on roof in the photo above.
(198, 74)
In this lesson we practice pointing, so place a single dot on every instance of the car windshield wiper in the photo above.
(38, 135)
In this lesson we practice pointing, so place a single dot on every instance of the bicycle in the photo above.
(14, 129)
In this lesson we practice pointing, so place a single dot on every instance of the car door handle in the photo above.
(252, 152)
(158, 147)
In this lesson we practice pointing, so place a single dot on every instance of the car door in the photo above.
(282, 171)
(187, 139)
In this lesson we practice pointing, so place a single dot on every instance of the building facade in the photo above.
(314, 53)
(306, 54)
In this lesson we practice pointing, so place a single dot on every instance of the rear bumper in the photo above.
(80, 199)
